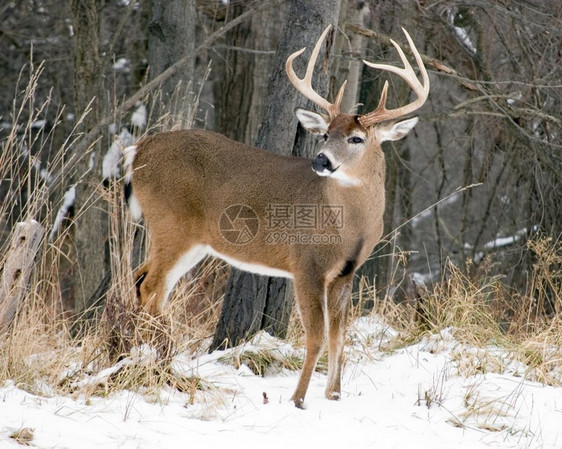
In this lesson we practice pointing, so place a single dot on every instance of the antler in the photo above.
(407, 74)
(304, 85)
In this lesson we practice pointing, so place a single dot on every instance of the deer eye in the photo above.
(355, 140)
(325, 137)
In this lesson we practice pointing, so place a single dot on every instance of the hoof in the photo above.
(333, 395)
(299, 403)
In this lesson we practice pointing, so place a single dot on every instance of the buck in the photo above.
(203, 194)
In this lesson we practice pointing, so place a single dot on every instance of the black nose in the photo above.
(321, 163)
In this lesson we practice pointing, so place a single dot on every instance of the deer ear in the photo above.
(311, 121)
(395, 131)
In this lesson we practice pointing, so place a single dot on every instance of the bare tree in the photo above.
(91, 219)
(171, 36)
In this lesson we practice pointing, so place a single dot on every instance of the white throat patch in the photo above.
(344, 179)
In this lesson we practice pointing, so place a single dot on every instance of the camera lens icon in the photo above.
(239, 224)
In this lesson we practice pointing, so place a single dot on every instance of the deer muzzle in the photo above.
(322, 165)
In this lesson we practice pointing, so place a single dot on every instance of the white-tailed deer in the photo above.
(313, 221)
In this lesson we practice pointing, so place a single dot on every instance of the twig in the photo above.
(508, 112)
(388, 236)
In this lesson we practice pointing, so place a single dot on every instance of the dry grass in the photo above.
(23, 436)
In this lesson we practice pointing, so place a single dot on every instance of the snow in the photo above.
(111, 161)
(462, 35)
(499, 242)
(415, 396)
(428, 212)
(62, 213)
(121, 64)
(38, 124)
(139, 116)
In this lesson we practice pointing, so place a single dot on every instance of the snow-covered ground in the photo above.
(433, 394)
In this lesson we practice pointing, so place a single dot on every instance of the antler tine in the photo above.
(407, 74)
(381, 107)
(304, 85)
(419, 62)
(339, 96)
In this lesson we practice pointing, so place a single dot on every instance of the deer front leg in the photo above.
(339, 297)
(311, 305)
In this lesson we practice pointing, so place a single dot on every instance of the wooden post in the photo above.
(17, 269)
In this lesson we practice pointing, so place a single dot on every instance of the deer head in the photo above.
(347, 136)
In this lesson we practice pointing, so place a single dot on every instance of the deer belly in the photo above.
(263, 270)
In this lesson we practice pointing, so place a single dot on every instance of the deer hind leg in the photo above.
(339, 297)
(156, 278)
(149, 286)
(310, 298)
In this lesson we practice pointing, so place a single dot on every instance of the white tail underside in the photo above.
(129, 154)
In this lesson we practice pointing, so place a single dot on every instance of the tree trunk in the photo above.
(91, 216)
(243, 73)
(171, 36)
(240, 94)
(259, 302)
(351, 47)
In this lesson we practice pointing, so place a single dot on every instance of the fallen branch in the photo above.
(17, 269)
